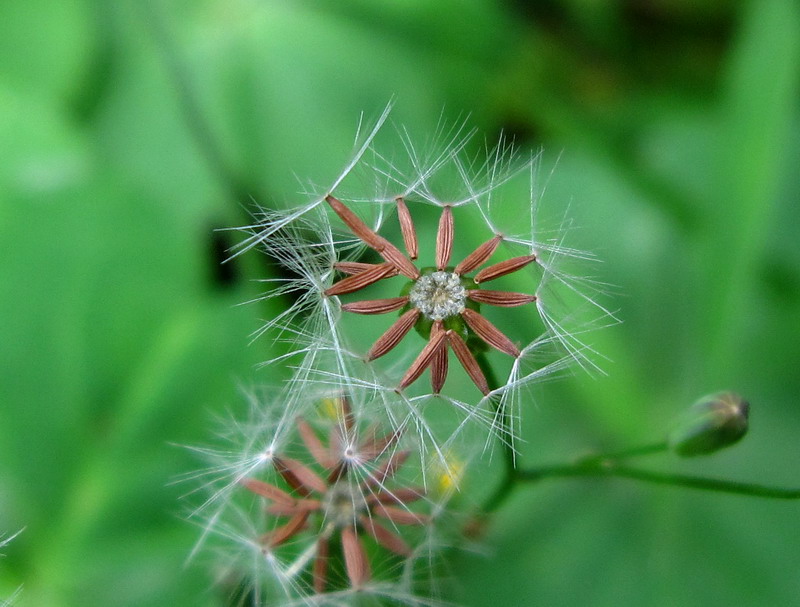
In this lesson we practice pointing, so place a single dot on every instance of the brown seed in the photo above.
(399, 516)
(301, 505)
(423, 360)
(338, 472)
(359, 281)
(356, 225)
(467, 360)
(318, 451)
(504, 267)
(320, 572)
(269, 491)
(384, 537)
(504, 299)
(407, 228)
(376, 306)
(386, 249)
(356, 267)
(489, 333)
(393, 335)
(285, 532)
(444, 238)
(394, 256)
(439, 363)
(479, 256)
(347, 416)
(403, 495)
(355, 558)
(301, 478)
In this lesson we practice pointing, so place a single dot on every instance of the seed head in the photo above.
(448, 299)
(437, 295)
(339, 502)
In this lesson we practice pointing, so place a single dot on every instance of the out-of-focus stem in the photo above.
(506, 439)
(611, 465)
(610, 468)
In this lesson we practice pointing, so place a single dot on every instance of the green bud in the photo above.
(712, 423)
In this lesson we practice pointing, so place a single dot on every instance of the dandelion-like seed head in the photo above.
(317, 509)
(333, 495)
(319, 505)
(438, 295)
(344, 239)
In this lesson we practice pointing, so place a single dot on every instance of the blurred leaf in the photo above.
(758, 109)
(130, 130)
(45, 46)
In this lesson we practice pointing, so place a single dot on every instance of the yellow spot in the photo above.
(448, 473)
(332, 408)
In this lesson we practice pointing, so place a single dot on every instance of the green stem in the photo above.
(659, 447)
(503, 416)
(510, 473)
(609, 465)
(198, 126)
(506, 439)
(610, 469)
(600, 464)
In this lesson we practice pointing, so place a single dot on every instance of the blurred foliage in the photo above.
(131, 130)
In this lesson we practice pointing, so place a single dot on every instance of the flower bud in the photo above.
(712, 423)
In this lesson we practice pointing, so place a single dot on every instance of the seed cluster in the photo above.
(353, 499)
(438, 295)
(343, 504)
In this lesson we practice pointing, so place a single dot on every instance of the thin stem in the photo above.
(609, 465)
(659, 447)
(512, 475)
(197, 124)
(506, 439)
(609, 469)
(507, 436)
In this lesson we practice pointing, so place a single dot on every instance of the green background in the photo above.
(130, 130)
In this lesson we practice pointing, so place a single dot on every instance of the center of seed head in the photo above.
(343, 503)
(438, 295)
